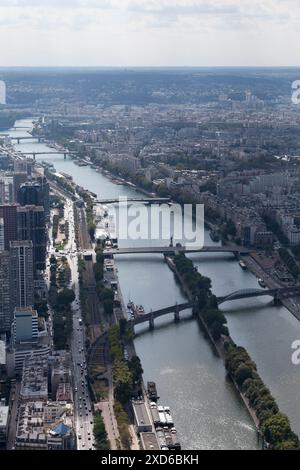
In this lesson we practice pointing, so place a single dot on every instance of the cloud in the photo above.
(157, 32)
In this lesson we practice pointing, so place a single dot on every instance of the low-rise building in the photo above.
(44, 426)
(34, 384)
(3, 424)
(149, 441)
(142, 418)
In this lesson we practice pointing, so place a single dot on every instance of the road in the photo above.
(12, 424)
(292, 304)
(82, 404)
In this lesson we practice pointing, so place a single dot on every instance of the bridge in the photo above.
(150, 317)
(147, 200)
(57, 152)
(15, 128)
(278, 294)
(29, 137)
(176, 249)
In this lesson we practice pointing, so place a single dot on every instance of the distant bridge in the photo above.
(278, 294)
(176, 249)
(147, 200)
(15, 128)
(29, 137)
(57, 152)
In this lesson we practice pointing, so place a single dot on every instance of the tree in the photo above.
(108, 306)
(65, 297)
(243, 373)
(41, 307)
(277, 429)
(98, 272)
(100, 434)
(136, 369)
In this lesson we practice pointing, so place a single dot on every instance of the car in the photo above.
(83, 444)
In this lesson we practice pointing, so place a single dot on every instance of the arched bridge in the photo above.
(277, 294)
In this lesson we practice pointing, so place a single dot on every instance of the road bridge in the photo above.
(147, 200)
(29, 137)
(277, 294)
(56, 152)
(176, 249)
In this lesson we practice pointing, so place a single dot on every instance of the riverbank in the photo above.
(217, 345)
(258, 400)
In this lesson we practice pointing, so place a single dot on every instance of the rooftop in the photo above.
(149, 441)
(141, 413)
(3, 415)
(2, 353)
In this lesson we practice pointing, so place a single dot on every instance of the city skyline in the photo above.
(149, 33)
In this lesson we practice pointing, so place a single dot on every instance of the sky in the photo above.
(149, 33)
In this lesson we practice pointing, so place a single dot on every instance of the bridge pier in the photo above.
(276, 301)
(151, 323)
(177, 314)
(195, 310)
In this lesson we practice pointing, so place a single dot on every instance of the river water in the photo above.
(207, 411)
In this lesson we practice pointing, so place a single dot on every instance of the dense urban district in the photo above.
(229, 139)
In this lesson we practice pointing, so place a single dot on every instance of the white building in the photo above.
(3, 423)
(2, 92)
(1, 234)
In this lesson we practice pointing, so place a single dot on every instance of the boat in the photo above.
(139, 309)
(130, 315)
(152, 392)
(242, 264)
(262, 283)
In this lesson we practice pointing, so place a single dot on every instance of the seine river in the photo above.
(207, 411)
